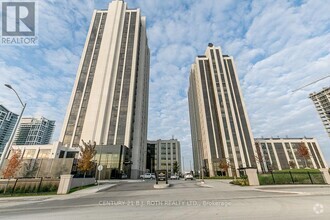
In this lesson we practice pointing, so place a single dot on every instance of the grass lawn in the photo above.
(298, 171)
(292, 176)
(219, 177)
(27, 194)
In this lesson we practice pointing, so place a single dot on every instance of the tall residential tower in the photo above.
(322, 103)
(109, 101)
(220, 127)
(8, 121)
(34, 131)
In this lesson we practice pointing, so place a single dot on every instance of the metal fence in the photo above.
(50, 168)
(20, 186)
(291, 178)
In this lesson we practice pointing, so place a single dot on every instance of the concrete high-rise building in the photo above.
(322, 103)
(220, 127)
(162, 154)
(34, 131)
(8, 121)
(109, 101)
(282, 153)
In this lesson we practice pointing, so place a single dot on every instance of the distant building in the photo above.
(46, 151)
(276, 153)
(34, 131)
(48, 160)
(220, 128)
(7, 123)
(162, 154)
(322, 103)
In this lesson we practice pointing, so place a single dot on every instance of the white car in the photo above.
(147, 176)
(188, 176)
(174, 177)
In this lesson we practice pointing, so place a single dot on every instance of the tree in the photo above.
(292, 164)
(14, 163)
(259, 157)
(224, 165)
(303, 152)
(87, 153)
(176, 167)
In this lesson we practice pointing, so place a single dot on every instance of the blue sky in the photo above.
(278, 46)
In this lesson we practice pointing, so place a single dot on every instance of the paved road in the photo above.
(183, 200)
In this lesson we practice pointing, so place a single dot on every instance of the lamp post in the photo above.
(10, 141)
(201, 160)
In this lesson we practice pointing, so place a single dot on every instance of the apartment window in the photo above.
(29, 154)
(44, 153)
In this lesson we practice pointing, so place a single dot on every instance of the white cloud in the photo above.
(277, 46)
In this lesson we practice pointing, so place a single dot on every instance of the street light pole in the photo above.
(201, 160)
(10, 141)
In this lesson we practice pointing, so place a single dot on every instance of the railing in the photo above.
(291, 178)
(22, 186)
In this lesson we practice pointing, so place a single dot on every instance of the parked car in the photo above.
(188, 176)
(174, 177)
(147, 176)
(124, 176)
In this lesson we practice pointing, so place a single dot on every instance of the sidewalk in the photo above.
(296, 189)
(302, 189)
(21, 200)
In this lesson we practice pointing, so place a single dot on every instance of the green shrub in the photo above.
(240, 182)
(53, 188)
(265, 179)
(18, 189)
(219, 177)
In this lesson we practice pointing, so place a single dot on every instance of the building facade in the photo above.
(220, 127)
(322, 103)
(109, 101)
(282, 153)
(34, 131)
(8, 121)
(162, 155)
(48, 160)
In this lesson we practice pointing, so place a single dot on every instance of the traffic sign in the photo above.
(100, 168)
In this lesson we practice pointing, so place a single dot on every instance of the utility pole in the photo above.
(201, 160)
(10, 141)
(310, 83)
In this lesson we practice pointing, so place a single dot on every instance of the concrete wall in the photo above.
(68, 182)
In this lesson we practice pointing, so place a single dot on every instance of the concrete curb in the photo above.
(93, 189)
(204, 185)
(161, 186)
(285, 192)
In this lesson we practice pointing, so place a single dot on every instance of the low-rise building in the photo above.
(34, 131)
(46, 151)
(162, 155)
(282, 153)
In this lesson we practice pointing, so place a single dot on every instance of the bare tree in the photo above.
(259, 157)
(87, 153)
(224, 165)
(303, 152)
(292, 164)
